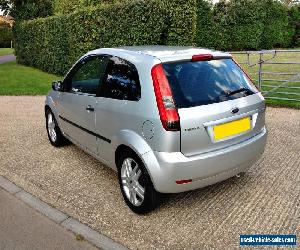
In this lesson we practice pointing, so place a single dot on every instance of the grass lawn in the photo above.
(6, 51)
(288, 68)
(17, 79)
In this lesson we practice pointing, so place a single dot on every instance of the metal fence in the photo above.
(284, 84)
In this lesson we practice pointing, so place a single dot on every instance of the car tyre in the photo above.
(135, 184)
(55, 135)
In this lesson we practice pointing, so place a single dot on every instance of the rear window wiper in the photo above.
(241, 90)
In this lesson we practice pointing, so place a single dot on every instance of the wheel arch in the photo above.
(129, 140)
(133, 142)
(47, 107)
(50, 105)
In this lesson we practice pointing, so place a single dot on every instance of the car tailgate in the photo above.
(198, 124)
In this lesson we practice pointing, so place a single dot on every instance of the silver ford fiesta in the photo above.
(167, 119)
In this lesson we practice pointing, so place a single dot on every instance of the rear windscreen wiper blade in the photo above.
(230, 93)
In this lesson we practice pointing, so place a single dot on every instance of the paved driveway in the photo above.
(265, 200)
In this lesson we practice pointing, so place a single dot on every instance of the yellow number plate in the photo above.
(231, 128)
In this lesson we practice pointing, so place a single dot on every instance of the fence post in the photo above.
(260, 62)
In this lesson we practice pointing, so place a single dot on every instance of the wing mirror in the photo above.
(57, 86)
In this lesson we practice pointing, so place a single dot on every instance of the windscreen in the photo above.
(206, 82)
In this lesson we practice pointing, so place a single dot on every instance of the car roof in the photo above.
(163, 53)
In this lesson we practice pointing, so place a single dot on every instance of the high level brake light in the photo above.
(202, 57)
(167, 111)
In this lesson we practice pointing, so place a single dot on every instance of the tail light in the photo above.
(167, 111)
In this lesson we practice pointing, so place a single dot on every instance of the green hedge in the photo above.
(181, 22)
(243, 25)
(5, 35)
(277, 31)
(70, 6)
(294, 18)
(54, 43)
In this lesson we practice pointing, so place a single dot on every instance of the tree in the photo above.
(290, 2)
(5, 35)
(27, 9)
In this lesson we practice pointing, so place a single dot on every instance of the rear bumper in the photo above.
(205, 169)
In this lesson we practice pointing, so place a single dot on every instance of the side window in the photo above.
(88, 75)
(121, 81)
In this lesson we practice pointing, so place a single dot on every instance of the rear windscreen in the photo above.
(205, 82)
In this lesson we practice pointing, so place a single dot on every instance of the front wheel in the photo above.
(55, 135)
(136, 185)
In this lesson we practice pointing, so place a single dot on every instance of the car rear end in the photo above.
(218, 113)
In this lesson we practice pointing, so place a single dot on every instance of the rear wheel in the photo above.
(136, 185)
(55, 135)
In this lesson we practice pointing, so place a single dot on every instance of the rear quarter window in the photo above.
(207, 82)
(121, 81)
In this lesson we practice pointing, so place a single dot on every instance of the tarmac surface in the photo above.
(7, 58)
(24, 228)
(266, 200)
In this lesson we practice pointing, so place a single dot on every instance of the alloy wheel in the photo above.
(51, 127)
(131, 181)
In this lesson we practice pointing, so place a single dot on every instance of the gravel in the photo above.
(264, 200)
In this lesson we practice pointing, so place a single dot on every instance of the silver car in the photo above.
(167, 119)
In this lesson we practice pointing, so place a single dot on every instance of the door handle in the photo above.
(89, 108)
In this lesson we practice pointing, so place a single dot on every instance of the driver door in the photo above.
(77, 102)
